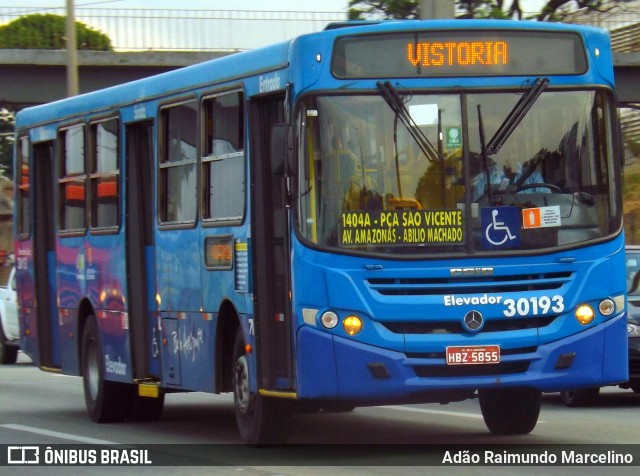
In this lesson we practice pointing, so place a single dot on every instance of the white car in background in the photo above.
(9, 328)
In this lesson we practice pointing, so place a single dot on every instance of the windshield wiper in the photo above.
(393, 99)
(516, 115)
(505, 130)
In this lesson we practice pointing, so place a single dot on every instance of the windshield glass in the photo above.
(412, 174)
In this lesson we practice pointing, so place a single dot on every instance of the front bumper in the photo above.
(334, 367)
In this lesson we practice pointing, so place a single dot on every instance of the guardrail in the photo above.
(192, 30)
(204, 30)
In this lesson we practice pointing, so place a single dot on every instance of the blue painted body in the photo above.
(334, 364)
(184, 298)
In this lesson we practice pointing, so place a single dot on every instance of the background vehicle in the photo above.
(398, 212)
(633, 310)
(583, 397)
(9, 326)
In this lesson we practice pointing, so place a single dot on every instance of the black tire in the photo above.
(106, 401)
(510, 411)
(144, 408)
(580, 398)
(8, 353)
(261, 420)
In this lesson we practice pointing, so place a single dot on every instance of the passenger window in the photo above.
(178, 154)
(72, 178)
(223, 158)
(24, 192)
(105, 178)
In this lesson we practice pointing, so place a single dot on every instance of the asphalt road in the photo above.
(39, 408)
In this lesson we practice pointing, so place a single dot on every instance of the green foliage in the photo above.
(399, 9)
(409, 9)
(485, 9)
(7, 123)
(48, 32)
(552, 10)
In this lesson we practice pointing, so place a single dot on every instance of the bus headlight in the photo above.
(606, 307)
(329, 319)
(352, 325)
(585, 314)
(633, 329)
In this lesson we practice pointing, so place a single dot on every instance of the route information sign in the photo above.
(402, 227)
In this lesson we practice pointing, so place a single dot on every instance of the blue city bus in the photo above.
(386, 213)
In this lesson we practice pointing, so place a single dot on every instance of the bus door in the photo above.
(270, 252)
(139, 245)
(44, 250)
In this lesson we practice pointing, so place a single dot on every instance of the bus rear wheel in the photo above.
(261, 420)
(106, 401)
(510, 411)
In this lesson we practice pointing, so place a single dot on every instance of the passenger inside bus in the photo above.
(501, 178)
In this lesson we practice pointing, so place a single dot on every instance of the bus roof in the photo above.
(219, 70)
(246, 63)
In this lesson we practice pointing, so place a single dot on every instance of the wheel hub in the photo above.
(93, 372)
(241, 384)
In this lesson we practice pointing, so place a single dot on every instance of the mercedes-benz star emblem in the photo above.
(473, 321)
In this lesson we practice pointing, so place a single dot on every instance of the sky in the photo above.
(286, 5)
(160, 33)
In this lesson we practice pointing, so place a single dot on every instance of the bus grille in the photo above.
(455, 327)
(468, 285)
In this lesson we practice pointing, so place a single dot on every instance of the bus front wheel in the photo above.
(261, 420)
(106, 401)
(510, 411)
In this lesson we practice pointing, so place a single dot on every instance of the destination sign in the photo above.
(402, 227)
(459, 53)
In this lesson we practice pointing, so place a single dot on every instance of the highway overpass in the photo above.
(38, 76)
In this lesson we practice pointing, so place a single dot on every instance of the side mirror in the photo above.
(281, 150)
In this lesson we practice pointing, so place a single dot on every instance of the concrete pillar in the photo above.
(430, 9)
(72, 52)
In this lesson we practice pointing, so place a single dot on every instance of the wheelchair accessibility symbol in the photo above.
(500, 227)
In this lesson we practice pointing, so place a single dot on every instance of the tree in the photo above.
(48, 32)
(476, 8)
(550, 9)
(406, 9)
(7, 122)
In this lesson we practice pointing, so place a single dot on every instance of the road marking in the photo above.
(57, 434)
(435, 412)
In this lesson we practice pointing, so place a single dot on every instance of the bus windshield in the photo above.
(408, 173)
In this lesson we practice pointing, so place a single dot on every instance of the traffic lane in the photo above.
(40, 402)
(461, 423)
(55, 403)
(50, 402)
(50, 410)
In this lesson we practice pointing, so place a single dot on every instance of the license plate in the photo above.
(473, 355)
